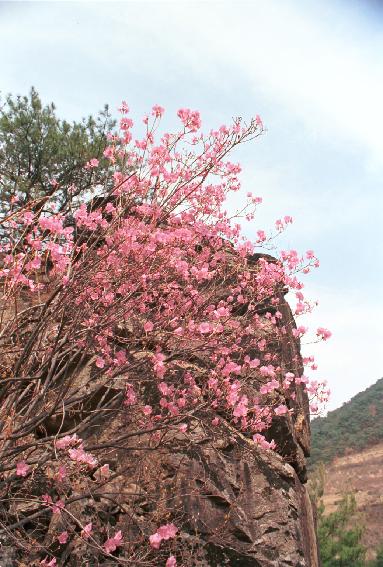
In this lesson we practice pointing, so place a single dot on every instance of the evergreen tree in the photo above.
(339, 543)
(42, 156)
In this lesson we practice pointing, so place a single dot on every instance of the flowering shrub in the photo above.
(143, 312)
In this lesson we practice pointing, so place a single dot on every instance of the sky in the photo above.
(312, 70)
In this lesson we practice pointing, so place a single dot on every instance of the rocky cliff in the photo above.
(236, 504)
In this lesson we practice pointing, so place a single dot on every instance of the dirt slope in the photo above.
(361, 472)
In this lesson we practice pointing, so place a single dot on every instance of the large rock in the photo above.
(234, 503)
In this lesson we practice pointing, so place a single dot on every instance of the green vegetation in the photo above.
(378, 561)
(340, 534)
(355, 425)
(37, 148)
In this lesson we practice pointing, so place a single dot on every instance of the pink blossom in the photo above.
(167, 531)
(241, 409)
(82, 457)
(323, 333)
(258, 121)
(63, 537)
(92, 163)
(67, 441)
(85, 533)
(299, 331)
(164, 389)
(148, 326)
(190, 118)
(100, 362)
(261, 235)
(281, 410)
(157, 111)
(261, 442)
(22, 468)
(112, 543)
(155, 540)
(126, 123)
(61, 474)
(28, 218)
(147, 410)
(46, 498)
(171, 562)
(205, 328)
(254, 363)
(58, 506)
(124, 108)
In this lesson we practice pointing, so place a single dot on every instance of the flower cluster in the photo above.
(178, 315)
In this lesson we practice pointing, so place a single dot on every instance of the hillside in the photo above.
(356, 425)
(361, 473)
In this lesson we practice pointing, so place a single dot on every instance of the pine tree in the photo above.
(43, 156)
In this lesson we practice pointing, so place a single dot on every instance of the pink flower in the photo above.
(100, 362)
(261, 442)
(300, 331)
(254, 363)
(323, 333)
(167, 531)
(92, 163)
(281, 410)
(171, 562)
(46, 498)
(82, 457)
(58, 506)
(155, 540)
(258, 121)
(183, 427)
(148, 326)
(164, 389)
(22, 468)
(157, 111)
(67, 441)
(63, 537)
(147, 410)
(190, 118)
(124, 108)
(87, 531)
(204, 328)
(112, 543)
(261, 235)
(28, 218)
(126, 123)
(61, 474)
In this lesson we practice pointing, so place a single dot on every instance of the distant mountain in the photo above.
(351, 428)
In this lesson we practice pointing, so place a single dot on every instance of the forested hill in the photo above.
(356, 425)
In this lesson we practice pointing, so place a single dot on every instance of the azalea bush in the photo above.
(128, 324)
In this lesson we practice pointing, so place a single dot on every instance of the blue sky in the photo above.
(312, 70)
